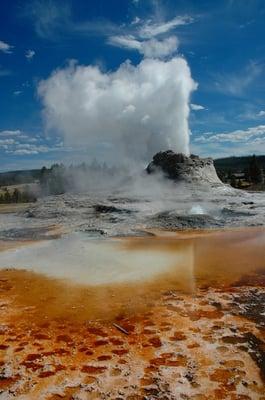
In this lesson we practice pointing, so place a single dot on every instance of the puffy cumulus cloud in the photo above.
(160, 48)
(138, 110)
(152, 48)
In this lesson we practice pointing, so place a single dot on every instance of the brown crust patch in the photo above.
(91, 369)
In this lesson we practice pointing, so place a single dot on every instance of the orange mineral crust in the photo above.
(155, 339)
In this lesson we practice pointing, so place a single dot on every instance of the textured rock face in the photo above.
(179, 167)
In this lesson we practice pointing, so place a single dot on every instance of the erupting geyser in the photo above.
(134, 111)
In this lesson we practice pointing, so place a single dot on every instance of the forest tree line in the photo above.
(239, 172)
(16, 196)
(245, 175)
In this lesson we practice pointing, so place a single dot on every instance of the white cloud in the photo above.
(197, 107)
(4, 142)
(151, 29)
(219, 149)
(128, 42)
(141, 36)
(9, 133)
(51, 19)
(135, 21)
(17, 92)
(17, 148)
(22, 152)
(250, 113)
(16, 142)
(253, 134)
(137, 109)
(160, 48)
(27, 148)
(152, 48)
(5, 48)
(236, 83)
(48, 16)
(30, 54)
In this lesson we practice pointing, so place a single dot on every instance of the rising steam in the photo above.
(135, 110)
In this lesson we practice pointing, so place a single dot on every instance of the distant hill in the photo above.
(235, 164)
(18, 177)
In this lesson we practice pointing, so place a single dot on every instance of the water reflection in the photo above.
(86, 278)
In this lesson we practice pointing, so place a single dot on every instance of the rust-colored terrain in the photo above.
(161, 339)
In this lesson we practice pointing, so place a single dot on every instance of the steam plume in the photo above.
(137, 110)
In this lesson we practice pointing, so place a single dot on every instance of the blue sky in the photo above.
(222, 42)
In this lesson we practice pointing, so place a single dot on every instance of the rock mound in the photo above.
(179, 167)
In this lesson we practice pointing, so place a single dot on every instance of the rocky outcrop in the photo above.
(178, 167)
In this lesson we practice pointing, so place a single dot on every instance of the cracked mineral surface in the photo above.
(190, 328)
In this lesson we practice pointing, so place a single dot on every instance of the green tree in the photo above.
(233, 181)
(7, 196)
(16, 196)
(255, 172)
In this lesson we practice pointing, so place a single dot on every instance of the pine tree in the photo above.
(255, 172)
(233, 181)
(16, 196)
(7, 197)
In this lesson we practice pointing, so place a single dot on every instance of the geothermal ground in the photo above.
(114, 297)
(159, 205)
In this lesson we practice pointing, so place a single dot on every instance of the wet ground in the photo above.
(131, 212)
(190, 328)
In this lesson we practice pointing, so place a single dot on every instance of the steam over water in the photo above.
(93, 262)
(182, 259)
